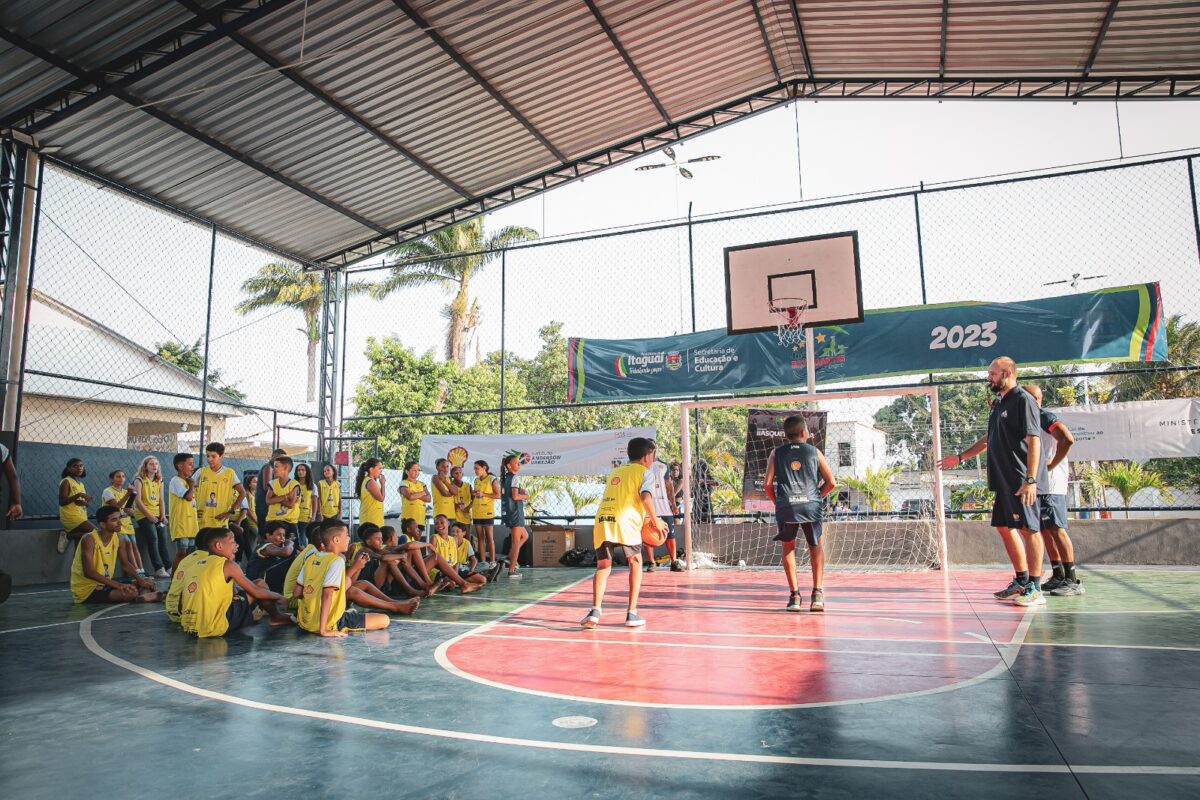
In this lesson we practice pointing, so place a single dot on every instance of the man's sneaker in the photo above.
(591, 620)
(1052, 584)
(515, 575)
(794, 602)
(1010, 591)
(61, 546)
(650, 565)
(632, 620)
(677, 565)
(494, 572)
(1068, 588)
(161, 572)
(1031, 596)
(818, 601)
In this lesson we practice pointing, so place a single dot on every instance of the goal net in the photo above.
(881, 445)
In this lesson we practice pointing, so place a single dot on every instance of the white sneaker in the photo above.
(515, 576)
(161, 573)
(63, 541)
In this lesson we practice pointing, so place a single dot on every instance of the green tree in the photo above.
(908, 424)
(1183, 350)
(971, 496)
(433, 259)
(873, 486)
(1128, 478)
(399, 382)
(190, 360)
(291, 286)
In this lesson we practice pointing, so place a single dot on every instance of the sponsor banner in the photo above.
(589, 453)
(1109, 325)
(764, 432)
(1134, 431)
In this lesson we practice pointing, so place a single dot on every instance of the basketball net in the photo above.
(789, 313)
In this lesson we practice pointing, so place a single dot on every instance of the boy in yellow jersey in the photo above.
(441, 561)
(95, 562)
(181, 507)
(628, 500)
(447, 560)
(415, 495)
(220, 490)
(180, 579)
(485, 491)
(272, 558)
(73, 501)
(289, 580)
(210, 606)
(384, 567)
(283, 499)
(465, 558)
(321, 588)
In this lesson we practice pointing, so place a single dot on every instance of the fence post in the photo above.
(212, 262)
(503, 325)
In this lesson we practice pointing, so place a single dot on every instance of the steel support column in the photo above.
(327, 400)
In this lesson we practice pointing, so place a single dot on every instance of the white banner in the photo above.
(590, 453)
(1134, 431)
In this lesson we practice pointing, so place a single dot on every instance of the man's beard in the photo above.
(996, 387)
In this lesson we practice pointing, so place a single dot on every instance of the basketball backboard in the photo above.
(822, 270)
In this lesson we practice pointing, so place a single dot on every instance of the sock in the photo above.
(1036, 581)
(1057, 566)
(1069, 570)
(1022, 578)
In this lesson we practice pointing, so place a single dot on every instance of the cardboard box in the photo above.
(549, 543)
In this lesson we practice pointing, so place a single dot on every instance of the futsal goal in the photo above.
(887, 512)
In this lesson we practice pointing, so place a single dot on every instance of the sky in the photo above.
(98, 252)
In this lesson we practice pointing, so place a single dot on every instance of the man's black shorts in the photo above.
(1007, 512)
(1054, 510)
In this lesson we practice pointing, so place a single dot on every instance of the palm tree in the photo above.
(1183, 350)
(581, 492)
(1129, 478)
(874, 487)
(290, 286)
(433, 259)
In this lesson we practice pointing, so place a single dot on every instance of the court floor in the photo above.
(913, 685)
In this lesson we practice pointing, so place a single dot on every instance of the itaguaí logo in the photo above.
(639, 364)
(674, 361)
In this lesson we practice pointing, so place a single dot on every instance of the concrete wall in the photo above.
(66, 421)
(1116, 541)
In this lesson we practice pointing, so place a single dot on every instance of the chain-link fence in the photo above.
(150, 333)
(477, 343)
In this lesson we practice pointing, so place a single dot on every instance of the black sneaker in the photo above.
(495, 571)
(794, 602)
(651, 566)
(818, 601)
(1053, 583)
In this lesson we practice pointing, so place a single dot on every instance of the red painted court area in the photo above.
(723, 640)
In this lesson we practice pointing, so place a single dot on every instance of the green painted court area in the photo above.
(499, 694)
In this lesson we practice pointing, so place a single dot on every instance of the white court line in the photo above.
(85, 633)
(980, 639)
(78, 621)
(634, 643)
(1007, 654)
(40, 591)
(897, 619)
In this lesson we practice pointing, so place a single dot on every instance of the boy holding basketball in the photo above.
(626, 507)
(798, 480)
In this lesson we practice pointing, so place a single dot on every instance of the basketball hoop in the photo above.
(789, 313)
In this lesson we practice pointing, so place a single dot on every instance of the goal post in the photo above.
(901, 528)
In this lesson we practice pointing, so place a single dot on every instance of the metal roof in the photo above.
(332, 129)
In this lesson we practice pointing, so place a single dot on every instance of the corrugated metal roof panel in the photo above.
(550, 61)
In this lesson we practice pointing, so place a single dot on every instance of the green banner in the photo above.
(1109, 325)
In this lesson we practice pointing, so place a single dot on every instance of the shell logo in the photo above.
(795, 465)
(614, 481)
(457, 456)
(308, 589)
(192, 587)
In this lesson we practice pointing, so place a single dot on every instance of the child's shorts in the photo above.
(352, 621)
(100, 595)
(128, 537)
(239, 614)
(463, 572)
(185, 544)
(483, 521)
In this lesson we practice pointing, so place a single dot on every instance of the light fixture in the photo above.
(683, 171)
(1075, 279)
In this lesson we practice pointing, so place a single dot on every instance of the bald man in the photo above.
(1056, 442)
(1017, 475)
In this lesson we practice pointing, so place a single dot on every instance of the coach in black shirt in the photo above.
(1013, 444)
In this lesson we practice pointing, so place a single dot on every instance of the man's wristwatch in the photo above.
(1030, 481)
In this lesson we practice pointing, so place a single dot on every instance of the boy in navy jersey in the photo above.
(798, 480)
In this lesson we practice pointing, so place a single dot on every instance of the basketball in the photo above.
(654, 531)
